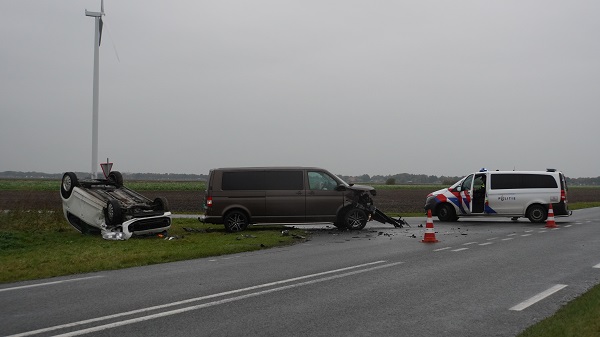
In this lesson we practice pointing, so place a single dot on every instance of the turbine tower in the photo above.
(97, 39)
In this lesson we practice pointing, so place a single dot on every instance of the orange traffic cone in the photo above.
(550, 223)
(429, 233)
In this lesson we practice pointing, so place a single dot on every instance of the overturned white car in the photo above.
(106, 206)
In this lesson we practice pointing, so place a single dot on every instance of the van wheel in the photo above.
(537, 213)
(235, 221)
(446, 213)
(355, 219)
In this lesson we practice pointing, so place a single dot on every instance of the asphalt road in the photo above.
(484, 278)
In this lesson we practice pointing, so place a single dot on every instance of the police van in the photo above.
(511, 194)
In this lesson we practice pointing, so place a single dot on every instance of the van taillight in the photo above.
(208, 201)
(563, 195)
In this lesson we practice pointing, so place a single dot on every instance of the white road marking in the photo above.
(492, 238)
(469, 243)
(440, 249)
(50, 283)
(372, 266)
(526, 235)
(486, 243)
(512, 234)
(506, 239)
(596, 266)
(459, 249)
(538, 297)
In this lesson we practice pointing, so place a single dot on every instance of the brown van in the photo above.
(237, 197)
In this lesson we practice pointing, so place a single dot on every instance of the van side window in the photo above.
(321, 181)
(244, 180)
(517, 181)
(284, 180)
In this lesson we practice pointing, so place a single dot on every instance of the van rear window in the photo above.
(244, 180)
(263, 180)
(521, 180)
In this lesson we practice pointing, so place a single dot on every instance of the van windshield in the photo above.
(458, 183)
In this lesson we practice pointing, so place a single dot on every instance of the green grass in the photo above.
(39, 245)
(580, 205)
(579, 318)
(136, 185)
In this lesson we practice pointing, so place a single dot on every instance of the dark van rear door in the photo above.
(285, 195)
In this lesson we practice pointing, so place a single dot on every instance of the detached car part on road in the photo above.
(237, 197)
(106, 206)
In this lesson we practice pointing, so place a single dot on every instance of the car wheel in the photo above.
(355, 219)
(235, 221)
(537, 213)
(161, 204)
(69, 182)
(113, 212)
(446, 213)
(116, 178)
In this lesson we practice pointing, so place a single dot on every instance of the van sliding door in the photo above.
(285, 196)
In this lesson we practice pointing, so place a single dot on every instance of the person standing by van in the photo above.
(479, 194)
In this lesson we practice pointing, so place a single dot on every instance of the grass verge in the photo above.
(37, 245)
(579, 318)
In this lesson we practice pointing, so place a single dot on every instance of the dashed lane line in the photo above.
(531, 301)
(459, 249)
(440, 249)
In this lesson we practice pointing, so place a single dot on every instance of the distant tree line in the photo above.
(396, 179)
(126, 176)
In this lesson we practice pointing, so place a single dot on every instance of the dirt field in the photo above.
(397, 201)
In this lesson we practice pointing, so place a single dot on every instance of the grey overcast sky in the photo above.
(432, 87)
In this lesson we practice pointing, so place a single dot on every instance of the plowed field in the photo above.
(396, 200)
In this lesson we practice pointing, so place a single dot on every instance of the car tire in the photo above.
(68, 183)
(235, 221)
(116, 178)
(446, 212)
(114, 214)
(161, 204)
(537, 213)
(355, 219)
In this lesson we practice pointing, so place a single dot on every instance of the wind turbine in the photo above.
(97, 39)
